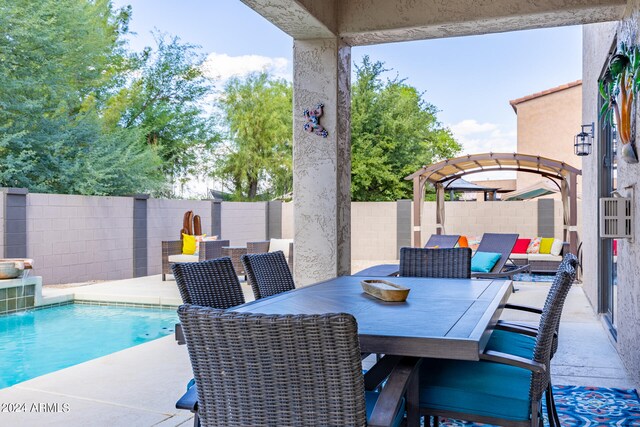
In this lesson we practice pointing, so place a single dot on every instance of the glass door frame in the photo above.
(606, 166)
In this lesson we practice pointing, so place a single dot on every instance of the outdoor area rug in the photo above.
(587, 406)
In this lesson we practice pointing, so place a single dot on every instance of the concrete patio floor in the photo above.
(139, 386)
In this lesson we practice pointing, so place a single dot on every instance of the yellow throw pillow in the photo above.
(188, 244)
(545, 245)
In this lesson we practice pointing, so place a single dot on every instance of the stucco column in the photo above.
(322, 166)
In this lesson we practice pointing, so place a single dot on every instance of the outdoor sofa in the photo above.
(540, 263)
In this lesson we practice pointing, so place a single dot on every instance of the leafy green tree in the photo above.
(58, 60)
(394, 131)
(167, 100)
(258, 159)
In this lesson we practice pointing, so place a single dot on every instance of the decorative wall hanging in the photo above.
(620, 87)
(313, 121)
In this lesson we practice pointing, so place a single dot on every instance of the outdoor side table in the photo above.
(235, 252)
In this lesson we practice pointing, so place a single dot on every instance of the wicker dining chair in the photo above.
(268, 273)
(440, 263)
(211, 283)
(288, 370)
(501, 388)
(519, 339)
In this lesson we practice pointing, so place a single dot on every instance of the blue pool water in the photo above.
(34, 343)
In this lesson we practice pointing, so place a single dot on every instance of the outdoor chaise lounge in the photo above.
(501, 244)
(296, 370)
(442, 241)
(172, 253)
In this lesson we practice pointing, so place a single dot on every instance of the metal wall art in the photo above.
(619, 88)
(313, 121)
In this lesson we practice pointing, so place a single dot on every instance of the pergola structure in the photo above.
(440, 174)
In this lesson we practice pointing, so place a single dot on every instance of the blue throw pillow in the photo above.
(483, 262)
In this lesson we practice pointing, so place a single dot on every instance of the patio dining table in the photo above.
(441, 318)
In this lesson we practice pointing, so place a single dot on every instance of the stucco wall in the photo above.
(477, 217)
(374, 225)
(547, 126)
(164, 222)
(597, 42)
(373, 231)
(79, 238)
(244, 222)
(287, 220)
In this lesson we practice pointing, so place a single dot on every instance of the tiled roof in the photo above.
(515, 102)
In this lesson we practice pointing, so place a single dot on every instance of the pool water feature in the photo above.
(34, 343)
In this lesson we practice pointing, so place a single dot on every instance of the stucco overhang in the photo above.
(365, 22)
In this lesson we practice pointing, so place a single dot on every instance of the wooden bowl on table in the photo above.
(384, 290)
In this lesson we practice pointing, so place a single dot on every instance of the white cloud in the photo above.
(477, 138)
(470, 126)
(221, 66)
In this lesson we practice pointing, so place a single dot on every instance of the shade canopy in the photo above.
(465, 186)
(442, 173)
(538, 189)
(451, 169)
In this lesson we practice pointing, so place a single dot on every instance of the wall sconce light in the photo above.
(584, 140)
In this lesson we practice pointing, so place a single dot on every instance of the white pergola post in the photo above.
(322, 166)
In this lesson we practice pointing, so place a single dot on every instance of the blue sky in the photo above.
(469, 79)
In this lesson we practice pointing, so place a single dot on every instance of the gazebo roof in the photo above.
(466, 186)
(451, 169)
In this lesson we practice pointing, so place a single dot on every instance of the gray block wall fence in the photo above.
(76, 239)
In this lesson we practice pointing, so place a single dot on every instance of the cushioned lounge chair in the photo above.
(502, 244)
(501, 389)
(442, 241)
(295, 370)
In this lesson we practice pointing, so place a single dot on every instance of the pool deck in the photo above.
(139, 386)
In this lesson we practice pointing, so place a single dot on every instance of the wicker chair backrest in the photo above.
(211, 283)
(268, 273)
(256, 370)
(441, 263)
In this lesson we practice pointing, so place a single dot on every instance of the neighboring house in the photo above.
(547, 124)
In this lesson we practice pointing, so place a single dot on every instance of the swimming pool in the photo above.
(34, 343)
